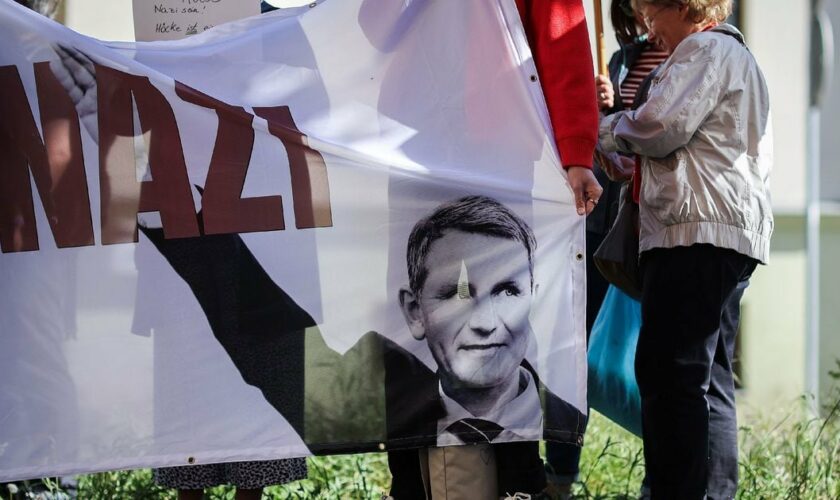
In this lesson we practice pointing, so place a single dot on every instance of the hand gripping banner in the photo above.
(323, 230)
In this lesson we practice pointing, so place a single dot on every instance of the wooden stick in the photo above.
(600, 45)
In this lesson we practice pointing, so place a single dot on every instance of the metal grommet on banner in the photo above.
(382, 446)
(579, 256)
(190, 460)
(533, 78)
(313, 4)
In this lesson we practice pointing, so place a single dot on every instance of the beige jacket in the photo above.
(706, 143)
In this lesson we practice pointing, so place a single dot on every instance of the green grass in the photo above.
(786, 456)
(611, 464)
(792, 457)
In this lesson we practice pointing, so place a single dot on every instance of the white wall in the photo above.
(829, 347)
(774, 307)
(773, 321)
(777, 32)
(103, 19)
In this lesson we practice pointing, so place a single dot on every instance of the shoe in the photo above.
(557, 491)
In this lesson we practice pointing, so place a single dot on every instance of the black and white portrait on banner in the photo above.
(468, 297)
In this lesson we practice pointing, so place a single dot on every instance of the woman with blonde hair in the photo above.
(705, 145)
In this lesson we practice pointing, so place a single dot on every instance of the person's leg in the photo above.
(563, 465)
(684, 290)
(190, 494)
(251, 476)
(462, 473)
(596, 284)
(248, 493)
(190, 480)
(408, 474)
(520, 468)
(723, 426)
(644, 489)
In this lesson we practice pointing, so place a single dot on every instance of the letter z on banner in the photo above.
(325, 230)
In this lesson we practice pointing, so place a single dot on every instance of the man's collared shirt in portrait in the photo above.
(519, 420)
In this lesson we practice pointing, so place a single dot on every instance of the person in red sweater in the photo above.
(559, 40)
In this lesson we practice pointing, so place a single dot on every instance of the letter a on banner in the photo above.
(122, 196)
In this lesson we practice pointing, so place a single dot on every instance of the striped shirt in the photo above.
(648, 60)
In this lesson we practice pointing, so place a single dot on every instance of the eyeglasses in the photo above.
(649, 19)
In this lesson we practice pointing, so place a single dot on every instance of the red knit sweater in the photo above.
(559, 42)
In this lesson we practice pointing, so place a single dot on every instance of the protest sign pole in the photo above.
(600, 46)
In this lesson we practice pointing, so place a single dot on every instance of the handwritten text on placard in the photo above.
(174, 19)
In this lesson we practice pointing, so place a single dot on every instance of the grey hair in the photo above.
(699, 11)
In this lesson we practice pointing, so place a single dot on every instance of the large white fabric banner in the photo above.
(321, 230)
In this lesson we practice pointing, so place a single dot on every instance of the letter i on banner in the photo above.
(175, 19)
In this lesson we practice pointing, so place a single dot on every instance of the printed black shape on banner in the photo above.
(260, 327)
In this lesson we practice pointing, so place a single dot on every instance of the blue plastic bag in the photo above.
(613, 390)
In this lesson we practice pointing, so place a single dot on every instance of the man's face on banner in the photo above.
(473, 308)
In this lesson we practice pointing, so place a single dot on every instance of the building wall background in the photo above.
(829, 345)
(829, 342)
(775, 307)
(103, 19)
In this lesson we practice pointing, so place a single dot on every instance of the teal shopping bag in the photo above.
(612, 349)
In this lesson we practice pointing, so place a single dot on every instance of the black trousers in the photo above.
(690, 315)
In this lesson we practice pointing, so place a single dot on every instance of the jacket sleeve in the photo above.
(688, 90)
(560, 45)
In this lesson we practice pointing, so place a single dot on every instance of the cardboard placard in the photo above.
(174, 19)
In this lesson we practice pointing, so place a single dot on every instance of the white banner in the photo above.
(330, 229)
